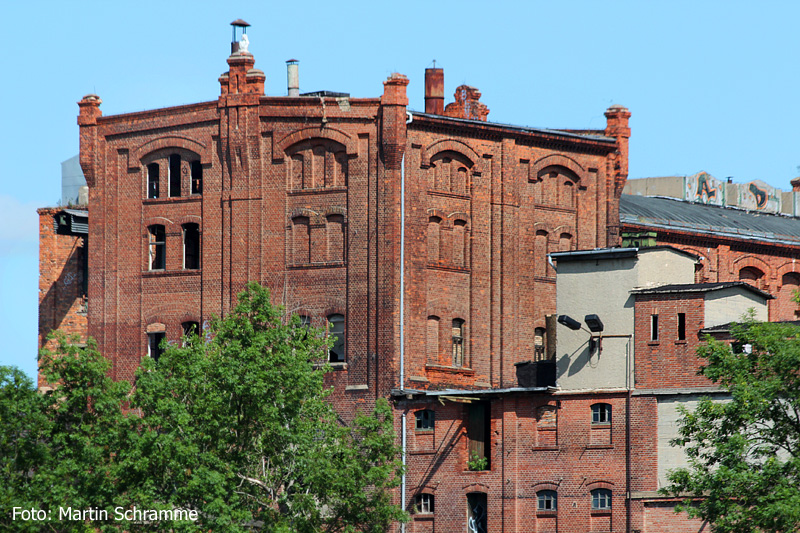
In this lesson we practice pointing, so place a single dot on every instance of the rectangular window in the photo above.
(197, 178)
(681, 326)
(478, 436)
(425, 420)
(152, 180)
(424, 503)
(191, 246)
(653, 327)
(157, 248)
(458, 342)
(174, 175)
(154, 349)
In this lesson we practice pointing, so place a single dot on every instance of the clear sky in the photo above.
(712, 85)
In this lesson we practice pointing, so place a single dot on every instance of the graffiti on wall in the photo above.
(705, 189)
(758, 196)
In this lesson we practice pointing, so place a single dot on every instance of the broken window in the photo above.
(157, 248)
(425, 419)
(154, 347)
(423, 503)
(174, 175)
(152, 180)
(191, 246)
(197, 177)
(458, 342)
(336, 330)
(476, 513)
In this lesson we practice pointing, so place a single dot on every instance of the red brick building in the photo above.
(421, 238)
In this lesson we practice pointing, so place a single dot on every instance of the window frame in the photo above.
(547, 497)
(424, 503)
(425, 420)
(457, 342)
(185, 229)
(339, 342)
(156, 248)
(601, 414)
(154, 340)
(601, 500)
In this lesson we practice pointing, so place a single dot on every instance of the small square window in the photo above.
(423, 504)
(601, 500)
(546, 500)
(425, 420)
(601, 413)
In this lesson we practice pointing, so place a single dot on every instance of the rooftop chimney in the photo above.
(434, 90)
(293, 78)
(795, 183)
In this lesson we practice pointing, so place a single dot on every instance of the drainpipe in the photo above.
(403, 318)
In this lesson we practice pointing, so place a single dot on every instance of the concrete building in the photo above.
(638, 368)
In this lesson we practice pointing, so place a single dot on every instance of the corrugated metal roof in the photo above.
(670, 213)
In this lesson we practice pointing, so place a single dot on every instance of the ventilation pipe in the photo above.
(293, 78)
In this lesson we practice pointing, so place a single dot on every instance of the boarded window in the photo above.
(459, 242)
(301, 239)
(432, 339)
(335, 234)
(434, 230)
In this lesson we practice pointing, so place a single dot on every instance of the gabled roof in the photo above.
(670, 213)
(702, 287)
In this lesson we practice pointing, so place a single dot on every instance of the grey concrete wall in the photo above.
(730, 305)
(661, 266)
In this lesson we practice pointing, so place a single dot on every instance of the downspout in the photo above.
(403, 318)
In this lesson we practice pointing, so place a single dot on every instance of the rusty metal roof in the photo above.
(670, 213)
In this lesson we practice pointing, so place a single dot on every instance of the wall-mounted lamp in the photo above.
(594, 324)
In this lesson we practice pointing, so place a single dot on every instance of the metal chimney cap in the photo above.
(292, 61)
(240, 23)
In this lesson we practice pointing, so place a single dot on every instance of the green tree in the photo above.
(744, 454)
(236, 425)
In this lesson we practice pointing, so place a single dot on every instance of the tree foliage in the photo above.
(744, 453)
(233, 423)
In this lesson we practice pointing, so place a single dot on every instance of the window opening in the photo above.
(154, 349)
(423, 504)
(476, 513)
(653, 327)
(681, 326)
(191, 246)
(547, 500)
(157, 248)
(601, 413)
(425, 419)
(174, 175)
(538, 344)
(152, 180)
(197, 177)
(478, 436)
(458, 342)
(601, 500)
(336, 353)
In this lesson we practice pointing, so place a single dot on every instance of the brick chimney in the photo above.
(795, 183)
(617, 126)
(434, 91)
(87, 120)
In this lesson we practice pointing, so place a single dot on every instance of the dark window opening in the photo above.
(423, 504)
(157, 259)
(426, 419)
(336, 353)
(197, 177)
(174, 175)
(152, 180)
(547, 500)
(479, 436)
(601, 413)
(601, 500)
(538, 344)
(681, 326)
(191, 246)
(653, 327)
(476, 512)
(458, 342)
(154, 347)
(190, 328)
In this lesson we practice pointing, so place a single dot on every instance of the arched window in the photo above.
(432, 339)
(434, 232)
(197, 177)
(174, 175)
(752, 275)
(601, 500)
(191, 246)
(152, 180)
(546, 500)
(301, 241)
(458, 342)
(601, 413)
(336, 330)
(156, 248)
(459, 243)
(425, 419)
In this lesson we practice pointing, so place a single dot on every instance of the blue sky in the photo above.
(712, 85)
